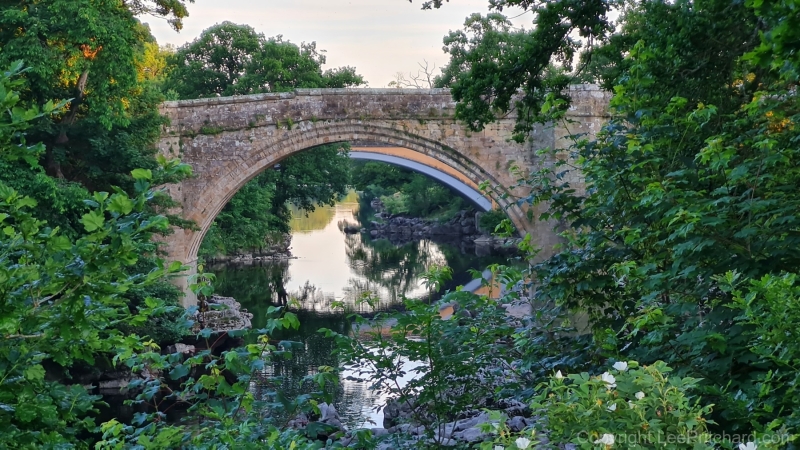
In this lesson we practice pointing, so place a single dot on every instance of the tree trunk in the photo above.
(53, 166)
(69, 119)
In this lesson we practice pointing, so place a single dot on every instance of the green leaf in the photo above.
(93, 220)
(120, 203)
(142, 174)
(25, 202)
(60, 243)
(179, 371)
(100, 197)
(34, 373)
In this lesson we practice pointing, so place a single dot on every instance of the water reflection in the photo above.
(333, 266)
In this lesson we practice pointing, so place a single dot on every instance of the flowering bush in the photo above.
(630, 406)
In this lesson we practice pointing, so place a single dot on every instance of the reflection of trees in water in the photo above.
(312, 351)
(254, 286)
(396, 269)
(321, 216)
(311, 298)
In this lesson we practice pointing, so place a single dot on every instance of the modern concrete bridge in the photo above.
(230, 140)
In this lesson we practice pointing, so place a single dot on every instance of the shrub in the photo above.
(640, 407)
(395, 204)
(769, 311)
(459, 362)
(491, 220)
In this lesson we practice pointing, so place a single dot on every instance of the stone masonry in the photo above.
(230, 140)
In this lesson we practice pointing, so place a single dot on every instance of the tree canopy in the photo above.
(495, 67)
(230, 59)
(110, 122)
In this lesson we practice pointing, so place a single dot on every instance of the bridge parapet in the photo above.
(288, 108)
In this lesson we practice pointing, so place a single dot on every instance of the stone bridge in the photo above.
(230, 140)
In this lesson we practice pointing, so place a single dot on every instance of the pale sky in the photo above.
(378, 37)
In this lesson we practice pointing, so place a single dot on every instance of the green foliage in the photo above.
(172, 10)
(709, 197)
(386, 176)
(768, 310)
(641, 407)
(778, 47)
(245, 221)
(164, 329)
(229, 59)
(215, 389)
(395, 204)
(60, 203)
(111, 122)
(491, 61)
(491, 220)
(692, 177)
(70, 303)
(62, 302)
(403, 191)
(445, 355)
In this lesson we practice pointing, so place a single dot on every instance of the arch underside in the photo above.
(452, 182)
(206, 202)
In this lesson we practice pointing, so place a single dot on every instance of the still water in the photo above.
(331, 266)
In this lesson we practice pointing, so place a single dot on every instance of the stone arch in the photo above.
(259, 154)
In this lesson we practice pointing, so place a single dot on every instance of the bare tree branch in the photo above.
(423, 79)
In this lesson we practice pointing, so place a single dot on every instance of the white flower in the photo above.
(606, 439)
(609, 380)
(522, 443)
(622, 366)
(639, 395)
(748, 446)
(631, 404)
(613, 407)
(499, 447)
(558, 375)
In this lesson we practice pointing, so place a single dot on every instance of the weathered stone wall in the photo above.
(229, 140)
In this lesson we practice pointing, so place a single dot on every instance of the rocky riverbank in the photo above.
(463, 225)
(276, 248)
(463, 230)
(401, 426)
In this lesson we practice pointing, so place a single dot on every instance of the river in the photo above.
(331, 266)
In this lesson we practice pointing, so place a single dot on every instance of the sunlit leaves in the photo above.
(142, 174)
(93, 220)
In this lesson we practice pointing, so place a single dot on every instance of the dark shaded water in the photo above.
(331, 266)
